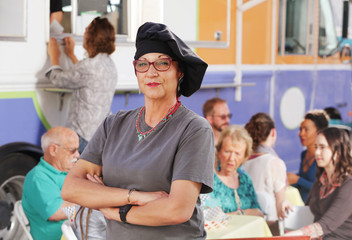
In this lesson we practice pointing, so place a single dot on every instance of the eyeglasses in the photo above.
(224, 116)
(71, 150)
(162, 65)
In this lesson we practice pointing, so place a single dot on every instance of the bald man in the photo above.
(41, 199)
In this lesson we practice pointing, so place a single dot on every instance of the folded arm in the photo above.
(177, 208)
(313, 230)
(253, 212)
(78, 189)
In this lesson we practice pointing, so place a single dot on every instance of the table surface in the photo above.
(242, 226)
(293, 195)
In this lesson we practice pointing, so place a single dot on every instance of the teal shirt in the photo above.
(226, 195)
(41, 198)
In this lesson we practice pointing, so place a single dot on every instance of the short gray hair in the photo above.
(237, 133)
(46, 140)
(53, 136)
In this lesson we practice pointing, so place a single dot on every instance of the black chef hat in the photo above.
(156, 37)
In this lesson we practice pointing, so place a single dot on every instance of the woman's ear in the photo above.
(273, 132)
(273, 136)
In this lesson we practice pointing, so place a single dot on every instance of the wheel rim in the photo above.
(10, 192)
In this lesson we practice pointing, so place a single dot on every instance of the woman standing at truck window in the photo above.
(93, 80)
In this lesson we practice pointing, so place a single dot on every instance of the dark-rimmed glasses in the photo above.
(162, 65)
(71, 150)
(224, 116)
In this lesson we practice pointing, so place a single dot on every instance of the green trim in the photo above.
(33, 96)
(4, 95)
(40, 112)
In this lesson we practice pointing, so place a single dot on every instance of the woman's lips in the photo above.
(153, 84)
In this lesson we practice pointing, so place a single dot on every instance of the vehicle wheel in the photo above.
(13, 169)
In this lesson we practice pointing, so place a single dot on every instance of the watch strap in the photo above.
(123, 212)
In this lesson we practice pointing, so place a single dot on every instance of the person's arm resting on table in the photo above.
(292, 178)
(305, 183)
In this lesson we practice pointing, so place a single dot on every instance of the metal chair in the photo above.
(300, 216)
(22, 219)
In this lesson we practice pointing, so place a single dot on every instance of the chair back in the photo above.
(266, 202)
(22, 219)
(67, 230)
(300, 216)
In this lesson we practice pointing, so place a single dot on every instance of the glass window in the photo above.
(66, 20)
(328, 42)
(87, 10)
(296, 27)
(13, 22)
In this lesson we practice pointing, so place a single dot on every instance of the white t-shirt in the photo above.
(268, 174)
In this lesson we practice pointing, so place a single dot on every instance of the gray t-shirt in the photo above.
(93, 81)
(180, 148)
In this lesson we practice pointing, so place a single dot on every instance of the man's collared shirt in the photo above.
(42, 198)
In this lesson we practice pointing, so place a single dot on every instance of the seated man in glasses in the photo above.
(217, 113)
(41, 199)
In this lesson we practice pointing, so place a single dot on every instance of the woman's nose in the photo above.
(317, 151)
(152, 71)
(301, 134)
(232, 157)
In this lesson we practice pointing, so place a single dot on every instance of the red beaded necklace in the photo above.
(142, 135)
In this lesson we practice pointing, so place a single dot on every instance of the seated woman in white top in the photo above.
(266, 169)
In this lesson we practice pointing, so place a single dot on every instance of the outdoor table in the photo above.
(241, 226)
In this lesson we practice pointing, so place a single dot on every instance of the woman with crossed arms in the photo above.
(155, 160)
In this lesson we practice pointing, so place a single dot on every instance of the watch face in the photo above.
(125, 208)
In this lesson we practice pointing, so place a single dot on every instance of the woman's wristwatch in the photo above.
(123, 212)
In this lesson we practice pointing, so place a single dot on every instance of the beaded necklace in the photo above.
(142, 135)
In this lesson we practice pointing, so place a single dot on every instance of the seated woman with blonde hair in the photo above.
(232, 186)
